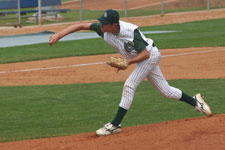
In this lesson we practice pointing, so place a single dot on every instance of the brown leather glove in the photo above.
(119, 63)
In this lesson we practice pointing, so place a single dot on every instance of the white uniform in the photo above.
(146, 69)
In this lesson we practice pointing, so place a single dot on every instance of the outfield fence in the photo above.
(81, 10)
(132, 8)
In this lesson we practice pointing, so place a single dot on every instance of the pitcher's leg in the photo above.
(159, 82)
(135, 78)
(157, 79)
(129, 88)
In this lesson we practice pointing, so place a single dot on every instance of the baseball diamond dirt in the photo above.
(189, 63)
(89, 69)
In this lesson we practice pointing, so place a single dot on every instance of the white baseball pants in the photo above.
(148, 69)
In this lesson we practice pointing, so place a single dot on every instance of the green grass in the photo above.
(55, 110)
(67, 0)
(61, 49)
(193, 34)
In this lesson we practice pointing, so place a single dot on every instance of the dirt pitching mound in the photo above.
(197, 133)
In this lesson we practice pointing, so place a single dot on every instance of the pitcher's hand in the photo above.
(54, 38)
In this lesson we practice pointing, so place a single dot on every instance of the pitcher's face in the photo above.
(112, 28)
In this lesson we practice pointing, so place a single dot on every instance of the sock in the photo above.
(119, 116)
(188, 99)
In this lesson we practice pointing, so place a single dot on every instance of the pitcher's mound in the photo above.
(202, 133)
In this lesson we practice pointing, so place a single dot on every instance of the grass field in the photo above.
(190, 35)
(67, 0)
(28, 112)
(54, 110)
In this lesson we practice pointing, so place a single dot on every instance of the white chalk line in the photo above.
(50, 68)
(189, 53)
(99, 63)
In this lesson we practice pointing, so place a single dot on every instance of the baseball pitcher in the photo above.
(130, 42)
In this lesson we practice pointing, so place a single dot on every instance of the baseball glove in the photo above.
(119, 63)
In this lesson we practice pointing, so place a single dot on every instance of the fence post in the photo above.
(18, 13)
(39, 12)
(162, 7)
(208, 4)
(125, 8)
(81, 11)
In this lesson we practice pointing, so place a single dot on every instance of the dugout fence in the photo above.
(13, 11)
(9, 14)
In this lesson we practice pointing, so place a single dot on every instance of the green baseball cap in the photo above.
(110, 16)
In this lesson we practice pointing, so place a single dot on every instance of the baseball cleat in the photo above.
(201, 105)
(108, 129)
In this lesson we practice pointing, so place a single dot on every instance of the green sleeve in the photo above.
(97, 28)
(139, 43)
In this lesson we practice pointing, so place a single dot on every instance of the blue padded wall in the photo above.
(8, 4)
